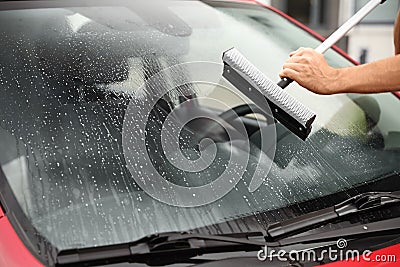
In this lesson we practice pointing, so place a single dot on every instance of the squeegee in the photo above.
(291, 113)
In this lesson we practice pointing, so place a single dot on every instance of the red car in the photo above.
(122, 145)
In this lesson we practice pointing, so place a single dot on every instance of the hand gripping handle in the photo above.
(340, 32)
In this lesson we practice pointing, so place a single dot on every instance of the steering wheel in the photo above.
(230, 116)
(243, 110)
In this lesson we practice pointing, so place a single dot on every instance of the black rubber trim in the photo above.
(37, 244)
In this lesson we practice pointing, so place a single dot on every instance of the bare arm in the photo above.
(397, 34)
(311, 70)
(376, 77)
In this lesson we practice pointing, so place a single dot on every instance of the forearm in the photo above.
(396, 34)
(375, 77)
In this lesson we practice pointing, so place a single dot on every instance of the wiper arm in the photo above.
(176, 247)
(163, 249)
(353, 205)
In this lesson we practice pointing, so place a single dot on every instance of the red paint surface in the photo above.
(302, 26)
(13, 252)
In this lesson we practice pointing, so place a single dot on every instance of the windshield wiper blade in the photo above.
(178, 247)
(163, 249)
(353, 205)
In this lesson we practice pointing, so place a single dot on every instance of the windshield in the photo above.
(91, 97)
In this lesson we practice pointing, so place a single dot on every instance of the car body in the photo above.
(78, 81)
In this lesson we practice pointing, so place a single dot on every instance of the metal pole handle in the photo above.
(340, 32)
(348, 25)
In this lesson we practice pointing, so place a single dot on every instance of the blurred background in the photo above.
(371, 40)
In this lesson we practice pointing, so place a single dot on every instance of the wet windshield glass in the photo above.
(98, 102)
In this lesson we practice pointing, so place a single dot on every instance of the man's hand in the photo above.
(310, 69)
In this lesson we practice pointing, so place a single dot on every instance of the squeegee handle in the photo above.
(340, 32)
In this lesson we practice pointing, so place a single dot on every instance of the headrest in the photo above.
(94, 44)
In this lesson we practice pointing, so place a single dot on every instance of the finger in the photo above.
(306, 60)
(298, 67)
(298, 51)
(289, 73)
(304, 51)
(295, 53)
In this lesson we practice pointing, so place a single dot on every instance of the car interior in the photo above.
(62, 120)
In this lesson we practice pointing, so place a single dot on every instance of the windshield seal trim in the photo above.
(22, 225)
(16, 216)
